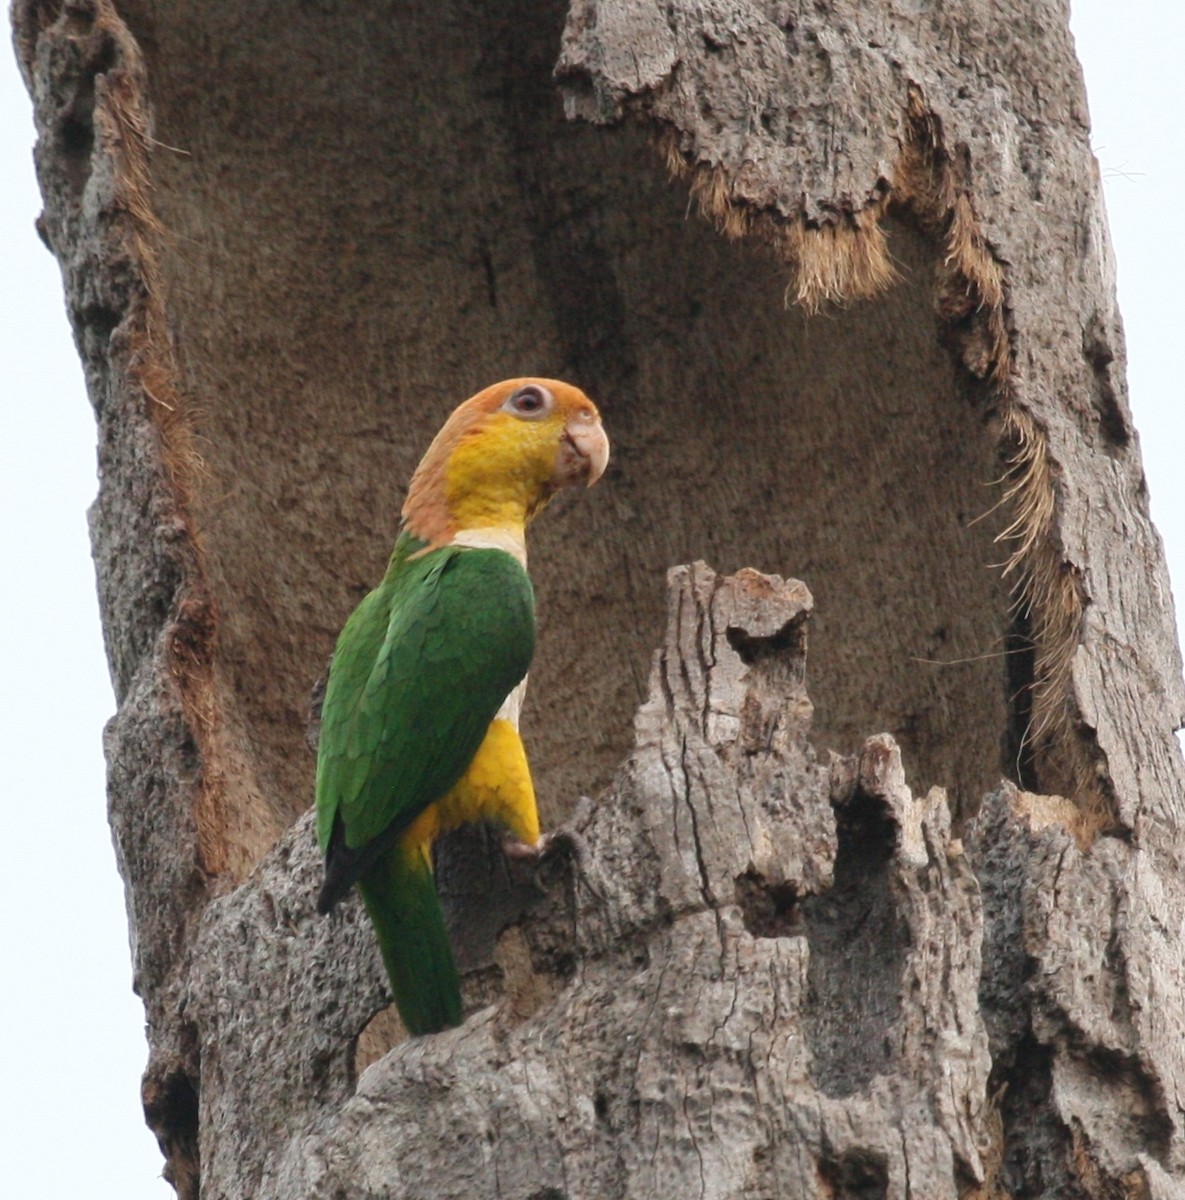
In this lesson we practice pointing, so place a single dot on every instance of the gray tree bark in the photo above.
(916, 936)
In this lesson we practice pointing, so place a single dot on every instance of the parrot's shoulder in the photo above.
(419, 671)
(414, 567)
(449, 591)
(457, 587)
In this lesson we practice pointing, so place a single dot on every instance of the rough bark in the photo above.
(292, 240)
(764, 977)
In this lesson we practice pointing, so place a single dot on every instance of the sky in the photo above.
(72, 1042)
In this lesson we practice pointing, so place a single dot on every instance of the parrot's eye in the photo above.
(529, 401)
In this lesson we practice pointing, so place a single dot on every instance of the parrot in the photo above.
(419, 722)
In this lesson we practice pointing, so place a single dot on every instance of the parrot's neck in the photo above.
(480, 486)
(510, 538)
(489, 515)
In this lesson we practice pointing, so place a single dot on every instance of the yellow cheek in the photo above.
(496, 477)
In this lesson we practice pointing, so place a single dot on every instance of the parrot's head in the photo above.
(500, 457)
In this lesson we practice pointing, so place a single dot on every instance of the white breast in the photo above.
(512, 706)
(510, 540)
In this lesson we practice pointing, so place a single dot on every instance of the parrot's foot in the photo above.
(524, 851)
(547, 845)
(566, 839)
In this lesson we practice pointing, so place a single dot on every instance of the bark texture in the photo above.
(763, 977)
(291, 240)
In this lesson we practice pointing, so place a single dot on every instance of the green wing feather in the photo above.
(419, 672)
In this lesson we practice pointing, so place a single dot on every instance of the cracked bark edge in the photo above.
(87, 80)
(1082, 995)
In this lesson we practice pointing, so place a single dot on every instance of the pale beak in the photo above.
(585, 449)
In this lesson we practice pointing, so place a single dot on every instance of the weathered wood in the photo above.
(291, 242)
(724, 1022)
(1082, 993)
(794, 125)
(766, 980)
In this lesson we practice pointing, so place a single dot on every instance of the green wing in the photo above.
(419, 672)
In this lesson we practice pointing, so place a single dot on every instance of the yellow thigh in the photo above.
(497, 787)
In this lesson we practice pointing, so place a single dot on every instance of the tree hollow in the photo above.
(415, 219)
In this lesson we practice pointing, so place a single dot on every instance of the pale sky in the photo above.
(72, 1048)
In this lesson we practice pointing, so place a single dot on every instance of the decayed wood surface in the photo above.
(762, 975)
(765, 975)
(804, 126)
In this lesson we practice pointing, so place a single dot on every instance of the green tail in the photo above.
(400, 895)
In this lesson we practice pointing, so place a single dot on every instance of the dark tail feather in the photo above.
(400, 895)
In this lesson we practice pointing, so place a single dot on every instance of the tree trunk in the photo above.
(887, 358)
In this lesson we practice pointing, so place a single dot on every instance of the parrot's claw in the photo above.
(567, 839)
